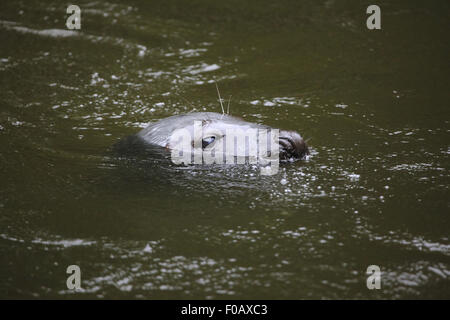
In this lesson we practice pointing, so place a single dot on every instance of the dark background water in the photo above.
(374, 104)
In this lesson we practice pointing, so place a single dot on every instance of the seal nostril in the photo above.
(286, 143)
(293, 146)
(288, 148)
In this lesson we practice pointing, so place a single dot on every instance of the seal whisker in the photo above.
(220, 99)
(228, 107)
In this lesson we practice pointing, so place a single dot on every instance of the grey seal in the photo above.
(160, 133)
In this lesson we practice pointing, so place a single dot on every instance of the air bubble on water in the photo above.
(142, 50)
(269, 104)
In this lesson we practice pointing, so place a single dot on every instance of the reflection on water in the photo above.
(372, 104)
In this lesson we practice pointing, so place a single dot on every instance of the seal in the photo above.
(213, 131)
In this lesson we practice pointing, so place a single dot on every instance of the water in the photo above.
(374, 191)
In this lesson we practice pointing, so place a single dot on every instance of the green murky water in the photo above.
(374, 191)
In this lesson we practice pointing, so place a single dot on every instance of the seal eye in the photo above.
(207, 141)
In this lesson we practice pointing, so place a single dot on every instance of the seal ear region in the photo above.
(292, 145)
(206, 122)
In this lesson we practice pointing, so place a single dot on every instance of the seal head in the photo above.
(165, 133)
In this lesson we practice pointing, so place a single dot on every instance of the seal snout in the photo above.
(292, 145)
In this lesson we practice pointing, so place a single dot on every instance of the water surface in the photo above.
(374, 105)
